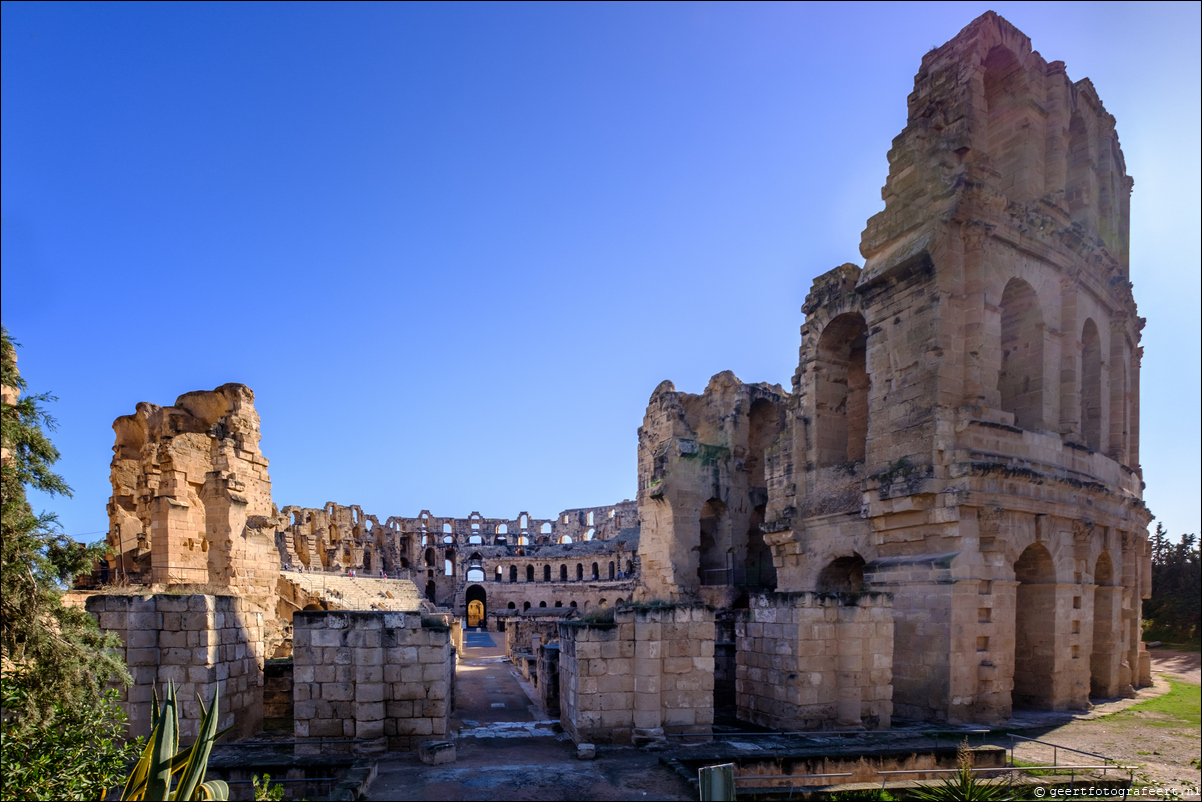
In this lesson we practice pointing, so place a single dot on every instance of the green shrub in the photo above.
(76, 752)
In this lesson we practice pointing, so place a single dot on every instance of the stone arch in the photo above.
(1118, 400)
(476, 595)
(596, 572)
(713, 540)
(563, 573)
(1020, 379)
(1105, 659)
(1034, 628)
(1091, 385)
(513, 573)
(529, 573)
(579, 572)
(546, 573)
(842, 575)
(841, 392)
(1006, 92)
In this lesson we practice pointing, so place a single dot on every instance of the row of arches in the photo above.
(597, 571)
(843, 383)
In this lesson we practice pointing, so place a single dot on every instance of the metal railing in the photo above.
(756, 576)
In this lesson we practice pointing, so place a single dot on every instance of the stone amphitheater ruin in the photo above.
(940, 520)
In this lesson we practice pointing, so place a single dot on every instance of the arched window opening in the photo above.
(1118, 400)
(602, 604)
(430, 590)
(572, 604)
(546, 573)
(476, 606)
(1020, 381)
(475, 575)
(529, 573)
(525, 522)
(589, 534)
(513, 573)
(590, 519)
(563, 573)
(448, 539)
(404, 562)
(596, 572)
(559, 604)
(841, 395)
(843, 575)
(512, 606)
(579, 572)
(761, 572)
(566, 540)
(499, 573)
(630, 568)
(1091, 386)
(611, 569)
(1081, 178)
(448, 568)
(542, 604)
(525, 606)
(713, 543)
(545, 529)
(502, 529)
(1006, 104)
(1034, 635)
(446, 528)
(431, 557)
(475, 540)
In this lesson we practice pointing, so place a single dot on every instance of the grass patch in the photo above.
(1181, 706)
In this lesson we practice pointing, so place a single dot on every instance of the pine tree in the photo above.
(51, 655)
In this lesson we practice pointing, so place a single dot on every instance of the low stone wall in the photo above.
(201, 643)
(372, 675)
(815, 661)
(649, 673)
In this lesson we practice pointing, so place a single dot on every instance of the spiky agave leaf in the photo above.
(198, 760)
(165, 739)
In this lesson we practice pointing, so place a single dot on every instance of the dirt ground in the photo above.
(508, 749)
(1132, 737)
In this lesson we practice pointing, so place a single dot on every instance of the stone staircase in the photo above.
(360, 593)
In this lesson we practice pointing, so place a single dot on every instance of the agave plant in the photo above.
(151, 778)
(965, 785)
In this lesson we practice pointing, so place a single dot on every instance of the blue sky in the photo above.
(453, 248)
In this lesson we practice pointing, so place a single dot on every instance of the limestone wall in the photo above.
(815, 661)
(201, 643)
(649, 672)
(371, 675)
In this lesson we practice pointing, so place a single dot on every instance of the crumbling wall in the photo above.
(702, 487)
(191, 496)
(200, 643)
(379, 676)
(647, 674)
(815, 661)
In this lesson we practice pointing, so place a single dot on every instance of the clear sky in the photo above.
(453, 248)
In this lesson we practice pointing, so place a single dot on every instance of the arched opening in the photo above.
(1034, 628)
(430, 591)
(843, 575)
(841, 394)
(596, 572)
(499, 574)
(542, 604)
(1081, 176)
(477, 606)
(589, 534)
(314, 606)
(579, 572)
(761, 572)
(512, 606)
(713, 542)
(1091, 385)
(529, 573)
(1006, 102)
(475, 540)
(431, 557)
(1020, 381)
(1118, 401)
(502, 529)
(573, 604)
(513, 573)
(629, 568)
(367, 559)
(1105, 659)
(449, 562)
(563, 573)
(611, 569)
(559, 604)
(475, 575)
(546, 573)
(566, 540)
(525, 606)
(545, 529)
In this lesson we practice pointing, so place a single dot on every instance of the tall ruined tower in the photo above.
(191, 495)
(963, 426)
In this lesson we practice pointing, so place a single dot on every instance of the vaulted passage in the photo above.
(1034, 629)
(844, 574)
(1091, 386)
(713, 543)
(1020, 380)
(842, 391)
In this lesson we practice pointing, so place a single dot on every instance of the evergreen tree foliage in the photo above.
(1176, 603)
(62, 736)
